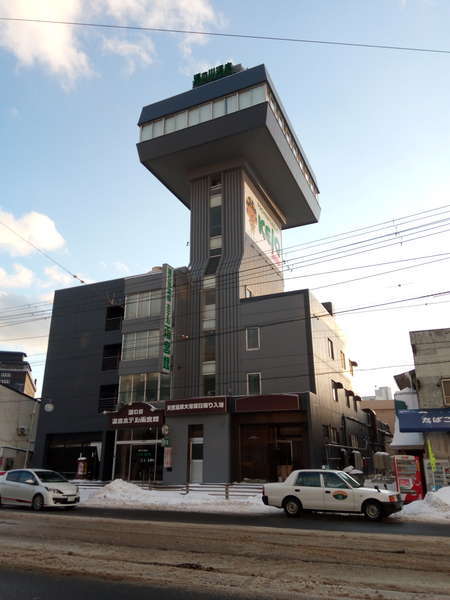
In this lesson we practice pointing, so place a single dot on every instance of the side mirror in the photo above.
(30, 481)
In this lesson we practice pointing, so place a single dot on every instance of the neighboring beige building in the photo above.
(18, 420)
(431, 349)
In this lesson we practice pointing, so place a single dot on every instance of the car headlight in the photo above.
(54, 490)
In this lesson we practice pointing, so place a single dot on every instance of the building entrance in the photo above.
(269, 452)
(140, 461)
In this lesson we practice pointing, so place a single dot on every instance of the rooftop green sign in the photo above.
(214, 73)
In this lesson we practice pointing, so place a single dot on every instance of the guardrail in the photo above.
(224, 490)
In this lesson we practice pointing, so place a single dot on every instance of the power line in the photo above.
(42, 252)
(233, 35)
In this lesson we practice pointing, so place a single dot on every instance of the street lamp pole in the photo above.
(48, 407)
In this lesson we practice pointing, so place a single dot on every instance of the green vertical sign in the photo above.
(167, 336)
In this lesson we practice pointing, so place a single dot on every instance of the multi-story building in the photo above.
(18, 420)
(431, 350)
(16, 372)
(213, 371)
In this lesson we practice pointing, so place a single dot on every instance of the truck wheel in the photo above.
(372, 510)
(292, 506)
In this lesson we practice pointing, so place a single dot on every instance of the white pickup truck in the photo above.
(326, 490)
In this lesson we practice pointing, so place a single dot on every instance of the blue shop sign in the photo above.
(433, 419)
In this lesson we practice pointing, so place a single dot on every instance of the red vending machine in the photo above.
(409, 477)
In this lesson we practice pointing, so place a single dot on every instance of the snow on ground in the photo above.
(434, 507)
(120, 493)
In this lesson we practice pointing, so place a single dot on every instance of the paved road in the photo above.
(19, 585)
(323, 522)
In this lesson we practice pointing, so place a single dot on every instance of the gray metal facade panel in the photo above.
(129, 367)
(143, 283)
(199, 259)
(216, 435)
(204, 93)
(283, 357)
(227, 312)
(144, 324)
(73, 371)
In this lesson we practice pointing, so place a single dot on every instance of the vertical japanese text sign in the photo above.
(167, 324)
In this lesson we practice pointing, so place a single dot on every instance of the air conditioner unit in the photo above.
(22, 430)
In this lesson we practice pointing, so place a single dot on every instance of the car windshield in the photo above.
(50, 477)
(350, 480)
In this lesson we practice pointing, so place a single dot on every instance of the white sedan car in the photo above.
(325, 490)
(37, 488)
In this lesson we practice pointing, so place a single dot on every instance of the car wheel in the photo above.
(292, 507)
(372, 511)
(37, 502)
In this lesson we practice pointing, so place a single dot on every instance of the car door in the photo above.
(308, 488)
(27, 484)
(10, 488)
(338, 495)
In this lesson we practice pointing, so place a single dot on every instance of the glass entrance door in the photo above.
(196, 460)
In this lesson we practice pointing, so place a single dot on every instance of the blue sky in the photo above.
(374, 124)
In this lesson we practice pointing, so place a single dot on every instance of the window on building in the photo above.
(446, 391)
(138, 387)
(330, 349)
(354, 441)
(111, 356)
(347, 397)
(326, 433)
(114, 316)
(164, 387)
(309, 479)
(335, 390)
(253, 339)
(334, 435)
(143, 305)
(209, 385)
(209, 346)
(107, 397)
(215, 215)
(254, 383)
(342, 360)
(215, 245)
(212, 265)
(141, 345)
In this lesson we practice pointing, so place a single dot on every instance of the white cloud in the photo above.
(22, 277)
(56, 47)
(121, 267)
(48, 297)
(34, 227)
(58, 276)
(142, 51)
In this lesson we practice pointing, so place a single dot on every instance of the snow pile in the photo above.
(434, 507)
(120, 493)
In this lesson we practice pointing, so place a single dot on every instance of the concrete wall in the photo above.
(431, 351)
(16, 411)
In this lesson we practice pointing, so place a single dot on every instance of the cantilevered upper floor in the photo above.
(238, 119)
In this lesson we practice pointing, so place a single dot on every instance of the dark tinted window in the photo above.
(50, 477)
(212, 265)
(26, 476)
(13, 476)
(334, 481)
(308, 479)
